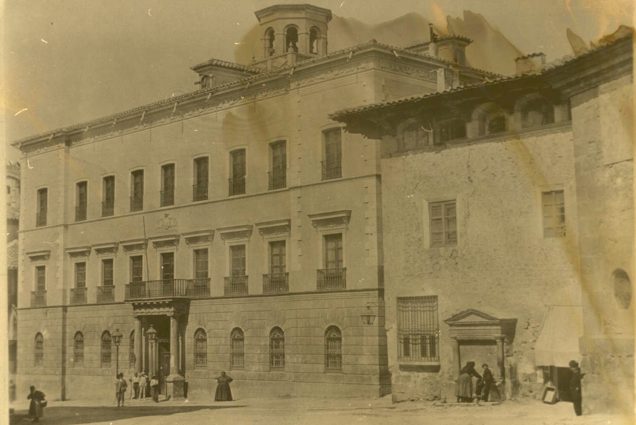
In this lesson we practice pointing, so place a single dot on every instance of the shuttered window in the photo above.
(418, 329)
(200, 348)
(553, 214)
(443, 223)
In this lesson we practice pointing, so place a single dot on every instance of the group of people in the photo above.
(485, 383)
(142, 387)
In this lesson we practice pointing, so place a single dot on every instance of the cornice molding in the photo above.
(199, 237)
(79, 251)
(164, 241)
(274, 228)
(235, 232)
(43, 254)
(106, 248)
(330, 219)
(133, 244)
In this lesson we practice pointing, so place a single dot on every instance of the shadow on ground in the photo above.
(72, 415)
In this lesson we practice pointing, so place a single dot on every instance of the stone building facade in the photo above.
(233, 228)
(13, 220)
(507, 212)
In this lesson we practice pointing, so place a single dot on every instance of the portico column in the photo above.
(138, 352)
(174, 348)
(500, 358)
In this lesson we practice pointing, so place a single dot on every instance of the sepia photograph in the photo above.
(332, 212)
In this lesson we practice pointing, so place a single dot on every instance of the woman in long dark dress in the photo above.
(223, 392)
(35, 407)
(465, 383)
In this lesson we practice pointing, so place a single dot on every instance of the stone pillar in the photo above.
(501, 355)
(138, 343)
(174, 381)
(450, 390)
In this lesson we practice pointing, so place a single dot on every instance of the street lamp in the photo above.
(117, 340)
(368, 317)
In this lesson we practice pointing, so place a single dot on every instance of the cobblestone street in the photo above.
(314, 411)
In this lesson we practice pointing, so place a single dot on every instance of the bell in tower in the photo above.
(291, 33)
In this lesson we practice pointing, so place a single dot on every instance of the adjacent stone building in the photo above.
(507, 212)
(233, 228)
(13, 220)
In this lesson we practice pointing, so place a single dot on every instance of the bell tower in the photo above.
(293, 32)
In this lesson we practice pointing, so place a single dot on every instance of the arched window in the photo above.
(314, 39)
(291, 39)
(333, 348)
(496, 124)
(277, 349)
(38, 350)
(78, 349)
(200, 348)
(536, 111)
(106, 349)
(270, 50)
(491, 117)
(622, 288)
(131, 350)
(237, 347)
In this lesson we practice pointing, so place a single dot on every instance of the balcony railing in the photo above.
(276, 283)
(80, 213)
(166, 197)
(199, 192)
(105, 294)
(330, 170)
(38, 298)
(78, 295)
(237, 186)
(332, 279)
(277, 179)
(188, 288)
(136, 203)
(108, 208)
(235, 285)
(40, 218)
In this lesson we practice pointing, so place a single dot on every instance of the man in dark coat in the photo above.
(487, 381)
(575, 387)
(36, 405)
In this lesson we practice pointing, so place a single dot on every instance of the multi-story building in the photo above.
(13, 219)
(507, 211)
(233, 228)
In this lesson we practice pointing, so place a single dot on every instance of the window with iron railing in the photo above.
(277, 349)
(418, 329)
(553, 214)
(78, 349)
(136, 269)
(237, 353)
(200, 349)
(201, 177)
(42, 207)
(333, 349)
(167, 185)
(131, 351)
(38, 350)
(78, 293)
(108, 196)
(106, 350)
(81, 203)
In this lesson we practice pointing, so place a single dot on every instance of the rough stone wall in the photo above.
(502, 265)
(602, 121)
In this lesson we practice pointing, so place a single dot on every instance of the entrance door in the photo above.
(164, 363)
(480, 352)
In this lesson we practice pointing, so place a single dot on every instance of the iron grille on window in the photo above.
(553, 214)
(131, 351)
(42, 207)
(276, 349)
(496, 124)
(200, 348)
(38, 350)
(106, 350)
(82, 201)
(332, 164)
(78, 349)
(418, 329)
(333, 349)
(237, 341)
(108, 200)
(443, 223)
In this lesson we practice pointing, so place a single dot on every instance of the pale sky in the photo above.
(68, 61)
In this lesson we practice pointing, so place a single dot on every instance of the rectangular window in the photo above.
(277, 258)
(167, 185)
(332, 163)
(167, 266)
(200, 187)
(136, 269)
(137, 190)
(553, 214)
(238, 170)
(42, 205)
(80, 275)
(81, 201)
(333, 252)
(201, 263)
(40, 278)
(418, 329)
(237, 260)
(108, 196)
(278, 173)
(443, 223)
(107, 272)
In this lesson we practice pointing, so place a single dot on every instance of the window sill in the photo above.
(415, 366)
